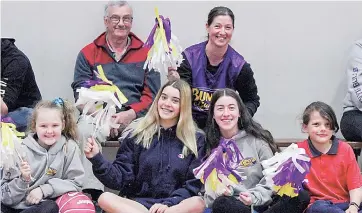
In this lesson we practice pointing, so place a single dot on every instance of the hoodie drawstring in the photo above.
(160, 153)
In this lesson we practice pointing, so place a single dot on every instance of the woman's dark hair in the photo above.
(324, 110)
(220, 11)
(245, 122)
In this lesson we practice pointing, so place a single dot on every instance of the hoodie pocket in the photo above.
(165, 189)
(145, 190)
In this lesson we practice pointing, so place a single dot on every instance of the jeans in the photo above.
(231, 204)
(208, 210)
(351, 124)
(325, 206)
(21, 117)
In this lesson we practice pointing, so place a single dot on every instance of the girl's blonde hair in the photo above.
(186, 129)
(66, 111)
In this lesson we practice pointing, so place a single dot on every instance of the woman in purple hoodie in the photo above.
(214, 64)
(153, 166)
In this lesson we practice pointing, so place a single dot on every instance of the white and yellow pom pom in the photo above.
(162, 54)
(10, 145)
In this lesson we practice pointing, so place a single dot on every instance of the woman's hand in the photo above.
(158, 208)
(25, 171)
(35, 196)
(246, 198)
(91, 149)
(352, 209)
(172, 74)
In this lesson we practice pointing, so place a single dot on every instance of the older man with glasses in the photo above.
(122, 56)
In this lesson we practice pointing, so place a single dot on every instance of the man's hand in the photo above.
(158, 208)
(246, 198)
(35, 196)
(123, 118)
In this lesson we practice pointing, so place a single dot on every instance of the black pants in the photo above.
(351, 127)
(291, 205)
(225, 204)
(48, 206)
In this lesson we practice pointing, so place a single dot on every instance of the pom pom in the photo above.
(219, 172)
(286, 171)
(10, 144)
(101, 97)
(165, 49)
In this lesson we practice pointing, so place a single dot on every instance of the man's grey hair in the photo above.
(115, 3)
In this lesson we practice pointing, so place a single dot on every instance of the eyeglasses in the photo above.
(125, 19)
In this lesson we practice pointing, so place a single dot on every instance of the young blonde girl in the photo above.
(153, 166)
(49, 162)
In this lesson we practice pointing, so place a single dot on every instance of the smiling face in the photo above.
(220, 30)
(49, 126)
(226, 115)
(318, 128)
(169, 106)
(119, 21)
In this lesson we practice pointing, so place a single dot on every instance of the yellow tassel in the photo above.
(212, 180)
(232, 178)
(162, 31)
(122, 98)
(102, 75)
(8, 130)
(286, 189)
(174, 51)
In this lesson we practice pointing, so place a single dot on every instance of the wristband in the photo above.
(354, 204)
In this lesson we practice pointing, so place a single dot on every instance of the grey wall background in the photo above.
(298, 50)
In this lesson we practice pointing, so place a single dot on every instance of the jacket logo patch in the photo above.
(50, 171)
(248, 162)
(181, 156)
(202, 98)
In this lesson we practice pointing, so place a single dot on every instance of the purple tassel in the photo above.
(90, 83)
(290, 174)
(150, 41)
(227, 160)
(167, 27)
(7, 119)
